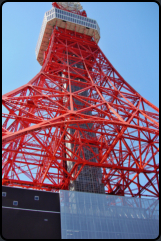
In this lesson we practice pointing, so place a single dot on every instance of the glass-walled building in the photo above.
(100, 216)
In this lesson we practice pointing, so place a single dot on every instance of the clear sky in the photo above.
(129, 39)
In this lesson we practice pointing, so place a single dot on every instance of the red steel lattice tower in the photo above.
(78, 124)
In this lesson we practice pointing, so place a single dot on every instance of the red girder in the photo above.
(35, 130)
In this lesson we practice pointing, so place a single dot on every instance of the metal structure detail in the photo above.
(71, 5)
(79, 112)
(62, 17)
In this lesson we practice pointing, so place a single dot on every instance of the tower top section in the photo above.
(68, 15)
(71, 5)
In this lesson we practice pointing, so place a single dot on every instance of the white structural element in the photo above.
(64, 19)
(71, 5)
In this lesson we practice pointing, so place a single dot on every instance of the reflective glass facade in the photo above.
(82, 23)
(71, 17)
(100, 216)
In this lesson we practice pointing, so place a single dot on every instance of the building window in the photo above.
(4, 194)
(36, 198)
(15, 203)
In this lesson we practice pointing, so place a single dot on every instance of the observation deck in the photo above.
(64, 19)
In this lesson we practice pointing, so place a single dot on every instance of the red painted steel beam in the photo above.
(44, 117)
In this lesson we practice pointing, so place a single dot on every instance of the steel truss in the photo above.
(39, 115)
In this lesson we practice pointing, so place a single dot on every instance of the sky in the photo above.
(129, 39)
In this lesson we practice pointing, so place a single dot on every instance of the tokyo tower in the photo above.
(78, 125)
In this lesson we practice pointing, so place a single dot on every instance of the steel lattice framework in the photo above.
(39, 115)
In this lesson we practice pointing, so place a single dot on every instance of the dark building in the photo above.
(30, 214)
